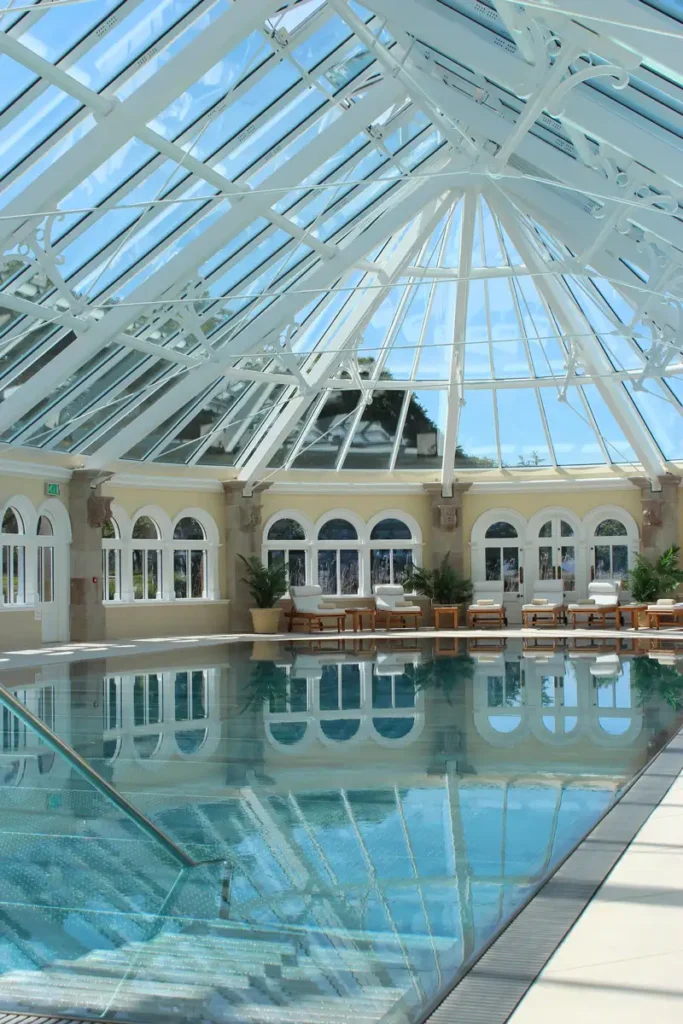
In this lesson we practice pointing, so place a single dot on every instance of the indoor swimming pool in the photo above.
(302, 833)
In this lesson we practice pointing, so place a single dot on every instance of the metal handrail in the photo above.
(53, 741)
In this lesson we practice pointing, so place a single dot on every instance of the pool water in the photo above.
(363, 821)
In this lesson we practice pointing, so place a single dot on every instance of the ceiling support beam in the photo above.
(361, 315)
(456, 393)
(583, 337)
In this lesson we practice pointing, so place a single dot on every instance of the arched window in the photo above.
(46, 561)
(190, 559)
(610, 560)
(338, 557)
(147, 560)
(285, 542)
(111, 561)
(13, 543)
(147, 697)
(392, 546)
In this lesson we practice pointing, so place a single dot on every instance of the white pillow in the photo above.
(485, 602)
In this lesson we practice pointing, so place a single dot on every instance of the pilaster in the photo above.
(89, 509)
(660, 520)
(446, 525)
(242, 530)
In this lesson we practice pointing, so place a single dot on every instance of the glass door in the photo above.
(556, 553)
(45, 583)
(503, 563)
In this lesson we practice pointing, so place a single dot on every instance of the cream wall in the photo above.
(31, 487)
(196, 618)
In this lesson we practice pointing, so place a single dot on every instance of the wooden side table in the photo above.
(357, 617)
(446, 611)
(631, 611)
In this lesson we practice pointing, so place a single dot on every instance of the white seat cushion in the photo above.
(483, 608)
(593, 607)
(546, 607)
(659, 607)
(386, 589)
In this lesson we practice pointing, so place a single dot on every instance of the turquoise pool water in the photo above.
(364, 820)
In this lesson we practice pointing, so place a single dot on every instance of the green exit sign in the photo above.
(53, 490)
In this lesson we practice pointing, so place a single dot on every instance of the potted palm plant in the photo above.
(442, 585)
(649, 580)
(267, 584)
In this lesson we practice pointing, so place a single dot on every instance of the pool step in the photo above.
(273, 982)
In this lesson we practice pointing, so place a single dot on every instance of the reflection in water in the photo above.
(371, 817)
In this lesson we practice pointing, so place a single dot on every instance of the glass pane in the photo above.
(297, 568)
(138, 581)
(286, 529)
(566, 530)
(327, 571)
(348, 567)
(44, 527)
(619, 560)
(199, 708)
(188, 529)
(391, 529)
(545, 531)
(492, 563)
(329, 689)
(568, 566)
(11, 522)
(380, 567)
(182, 693)
(112, 573)
(350, 686)
(47, 581)
(421, 444)
(180, 573)
(603, 561)
(145, 529)
(610, 528)
(502, 530)
(373, 438)
(545, 563)
(197, 573)
(152, 574)
(153, 699)
(402, 561)
(337, 529)
(511, 569)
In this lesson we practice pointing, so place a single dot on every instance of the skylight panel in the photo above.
(38, 122)
(662, 417)
(60, 28)
(15, 79)
(574, 440)
(523, 441)
(618, 448)
(127, 41)
(477, 430)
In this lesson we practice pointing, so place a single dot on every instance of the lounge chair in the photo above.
(392, 607)
(602, 600)
(487, 606)
(667, 611)
(546, 606)
(308, 607)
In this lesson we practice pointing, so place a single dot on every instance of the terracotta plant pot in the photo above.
(266, 620)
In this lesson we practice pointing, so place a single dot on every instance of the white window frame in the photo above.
(341, 545)
(305, 545)
(15, 545)
(414, 544)
(166, 545)
(154, 544)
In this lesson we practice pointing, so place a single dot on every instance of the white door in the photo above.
(502, 551)
(47, 604)
(554, 552)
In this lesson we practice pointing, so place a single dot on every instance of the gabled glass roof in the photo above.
(410, 235)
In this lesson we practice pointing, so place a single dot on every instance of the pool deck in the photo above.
(13, 658)
(621, 962)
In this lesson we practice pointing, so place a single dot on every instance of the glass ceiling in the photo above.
(410, 235)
